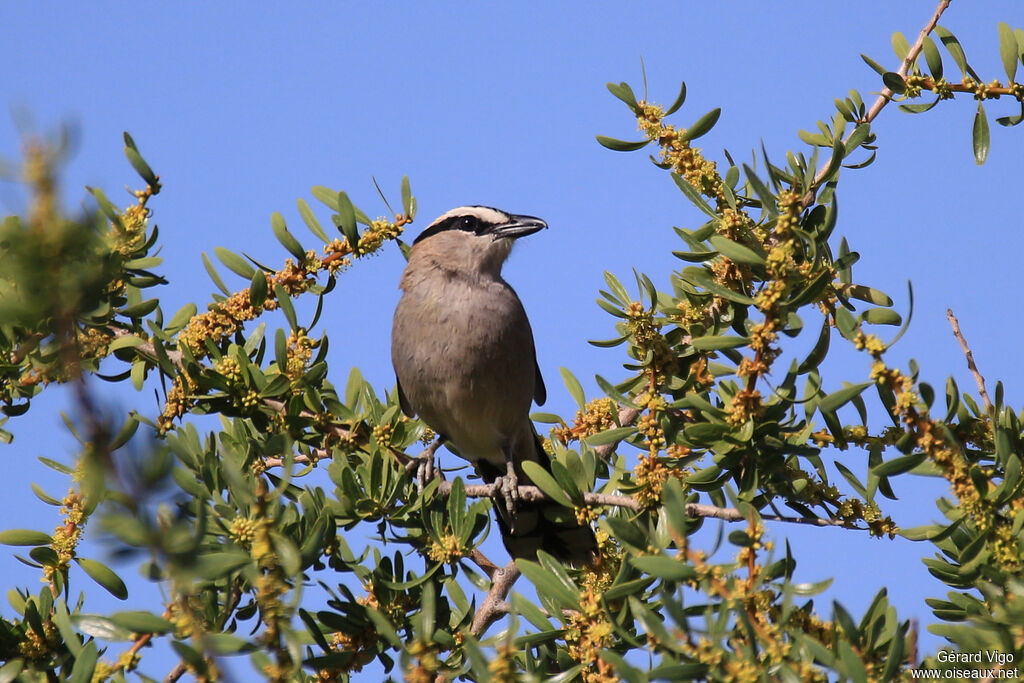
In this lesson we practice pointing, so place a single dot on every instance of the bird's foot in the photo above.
(509, 487)
(425, 465)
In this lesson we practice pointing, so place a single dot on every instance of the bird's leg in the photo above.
(426, 464)
(509, 484)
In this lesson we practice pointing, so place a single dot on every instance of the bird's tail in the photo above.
(543, 525)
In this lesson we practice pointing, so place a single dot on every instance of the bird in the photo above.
(465, 362)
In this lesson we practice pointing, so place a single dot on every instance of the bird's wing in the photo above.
(404, 402)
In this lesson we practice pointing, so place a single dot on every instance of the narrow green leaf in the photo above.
(881, 316)
(326, 195)
(931, 55)
(549, 585)
(235, 263)
(140, 166)
(285, 302)
(543, 480)
(258, 289)
(873, 64)
(680, 98)
(574, 387)
(839, 398)
(980, 135)
(309, 218)
(764, 194)
(24, 537)
(286, 239)
(624, 93)
(736, 251)
(952, 45)
(664, 567)
(212, 272)
(347, 220)
(1008, 50)
(691, 193)
(104, 576)
(702, 125)
(85, 664)
(621, 145)
(406, 197)
(713, 343)
(609, 436)
(898, 465)
(900, 45)
(141, 622)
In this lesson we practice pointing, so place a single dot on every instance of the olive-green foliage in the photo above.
(246, 526)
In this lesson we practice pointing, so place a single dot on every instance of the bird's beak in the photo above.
(519, 226)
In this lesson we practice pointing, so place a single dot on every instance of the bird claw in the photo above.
(509, 487)
(425, 465)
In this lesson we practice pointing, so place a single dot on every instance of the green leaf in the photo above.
(624, 93)
(217, 565)
(931, 55)
(955, 50)
(104, 576)
(621, 145)
(549, 584)
(326, 195)
(680, 98)
(285, 302)
(609, 436)
(309, 218)
(140, 166)
(881, 316)
(736, 251)
(543, 480)
(406, 197)
(894, 82)
(1008, 50)
(898, 465)
(85, 664)
(141, 622)
(286, 239)
(258, 289)
(100, 627)
(763, 193)
(980, 135)
(574, 387)
(235, 263)
(212, 272)
(900, 45)
(664, 567)
(691, 193)
(225, 644)
(24, 537)
(347, 220)
(713, 343)
(837, 399)
(702, 125)
(9, 672)
(873, 64)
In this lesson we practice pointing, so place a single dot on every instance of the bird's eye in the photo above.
(468, 223)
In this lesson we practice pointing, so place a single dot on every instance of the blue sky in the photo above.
(242, 108)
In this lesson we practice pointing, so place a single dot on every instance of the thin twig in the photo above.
(533, 494)
(883, 98)
(978, 379)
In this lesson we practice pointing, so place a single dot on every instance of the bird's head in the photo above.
(474, 237)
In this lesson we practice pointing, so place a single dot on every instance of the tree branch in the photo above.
(494, 606)
(978, 379)
(533, 494)
(883, 98)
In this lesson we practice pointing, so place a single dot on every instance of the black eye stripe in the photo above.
(465, 222)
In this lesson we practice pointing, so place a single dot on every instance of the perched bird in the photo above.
(463, 353)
